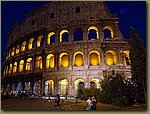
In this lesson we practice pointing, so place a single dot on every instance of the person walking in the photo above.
(57, 100)
(89, 103)
(93, 104)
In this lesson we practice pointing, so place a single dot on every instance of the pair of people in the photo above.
(91, 103)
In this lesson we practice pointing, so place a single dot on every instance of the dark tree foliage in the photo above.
(138, 64)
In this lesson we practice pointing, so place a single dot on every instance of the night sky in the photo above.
(129, 14)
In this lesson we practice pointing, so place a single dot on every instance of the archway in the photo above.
(23, 47)
(31, 44)
(78, 35)
(29, 64)
(111, 58)
(37, 88)
(95, 83)
(51, 38)
(50, 61)
(49, 87)
(94, 58)
(63, 87)
(125, 57)
(108, 32)
(40, 41)
(92, 33)
(63, 60)
(78, 59)
(64, 36)
(27, 87)
(21, 65)
(78, 84)
(38, 62)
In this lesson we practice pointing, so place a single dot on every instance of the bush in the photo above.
(121, 101)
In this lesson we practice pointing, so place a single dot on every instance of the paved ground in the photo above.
(27, 104)
(39, 104)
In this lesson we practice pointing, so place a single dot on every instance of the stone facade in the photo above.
(64, 65)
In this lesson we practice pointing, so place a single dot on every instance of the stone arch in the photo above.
(23, 46)
(13, 51)
(64, 60)
(38, 62)
(19, 87)
(27, 87)
(50, 63)
(40, 41)
(111, 57)
(51, 38)
(95, 83)
(63, 87)
(78, 59)
(78, 84)
(64, 36)
(21, 65)
(78, 34)
(108, 32)
(125, 57)
(15, 67)
(29, 64)
(17, 49)
(10, 68)
(31, 44)
(92, 33)
(37, 88)
(49, 87)
(94, 58)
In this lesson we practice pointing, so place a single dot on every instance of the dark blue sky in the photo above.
(129, 14)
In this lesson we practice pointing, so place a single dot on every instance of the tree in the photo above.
(138, 63)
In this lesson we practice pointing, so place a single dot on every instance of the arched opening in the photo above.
(38, 62)
(94, 58)
(23, 47)
(29, 64)
(125, 57)
(64, 36)
(27, 87)
(79, 84)
(92, 33)
(13, 51)
(63, 87)
(111, 57)
(6, 69)
(21, 66)
(31, 44)
(37, 88)
(17, 49)
(49, 87)
(78, 35)
(19, 87)
(10, 68)
(78, 59)
(50, 61)
(108, 32)
(15, 67)
(95, 83)
(40, 41)
(9, 53)
(63, 60)
(51, 38)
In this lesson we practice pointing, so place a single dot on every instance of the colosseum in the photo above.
(63, 46)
